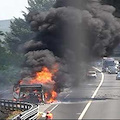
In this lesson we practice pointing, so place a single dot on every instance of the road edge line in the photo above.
(93, 96)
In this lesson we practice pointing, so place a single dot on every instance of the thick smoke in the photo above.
(71, 34)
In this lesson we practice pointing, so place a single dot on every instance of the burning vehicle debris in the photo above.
(39, 89)
(31, 93)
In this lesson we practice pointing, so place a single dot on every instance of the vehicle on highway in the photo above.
(118, 76)
(112, 70)
(106, 62)
(91, 74)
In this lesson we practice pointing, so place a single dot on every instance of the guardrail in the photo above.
(30, 114)
(14, 105)
(30, 110)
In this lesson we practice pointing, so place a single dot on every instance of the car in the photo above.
(118, 76)
(91, 74)
(112, 70)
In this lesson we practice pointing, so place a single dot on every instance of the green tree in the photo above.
(1, 33)
(20, 30)
(19, 34)
(2, 49)
(40, 5)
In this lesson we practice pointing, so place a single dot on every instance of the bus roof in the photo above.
(106, 58)
(31, 86)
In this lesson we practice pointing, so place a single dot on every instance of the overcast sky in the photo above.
(12, 8)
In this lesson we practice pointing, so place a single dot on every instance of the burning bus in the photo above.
(29, 93)
(34, 93)
(40, 88)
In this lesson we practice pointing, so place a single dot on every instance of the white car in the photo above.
(92, 74)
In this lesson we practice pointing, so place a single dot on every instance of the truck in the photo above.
(108, 62)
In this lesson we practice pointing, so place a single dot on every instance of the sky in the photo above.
(12, 8)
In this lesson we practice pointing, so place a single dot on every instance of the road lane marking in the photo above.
(66, 96)
(93, 96)
(78, 113)
(54, 107)
(90, 84)
(59, 103)
(4, 91)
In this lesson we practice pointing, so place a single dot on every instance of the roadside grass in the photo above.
(41, 115)
(13, 114)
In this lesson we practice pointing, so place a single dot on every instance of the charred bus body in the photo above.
(29, 93)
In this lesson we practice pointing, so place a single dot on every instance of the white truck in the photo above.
(109, 62)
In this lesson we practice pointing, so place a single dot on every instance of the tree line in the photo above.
(11, 54)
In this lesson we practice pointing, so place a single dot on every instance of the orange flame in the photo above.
(45, 77)
(51, 97)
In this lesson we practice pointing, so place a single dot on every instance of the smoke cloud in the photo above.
(71, 34)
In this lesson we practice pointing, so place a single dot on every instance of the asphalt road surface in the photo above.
(71, 103)
(6, 93)
(107, 103)
(77, 103)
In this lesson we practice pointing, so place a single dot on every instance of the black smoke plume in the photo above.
(71, 34)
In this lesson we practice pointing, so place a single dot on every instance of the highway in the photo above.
(107, 103)
(6, 93)
(72, 102)
(89, 101)
(77, 102)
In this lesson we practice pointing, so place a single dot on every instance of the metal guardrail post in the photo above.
(30, 110)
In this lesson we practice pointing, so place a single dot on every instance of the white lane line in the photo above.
(54, 107)
(66, 96)
(93, 96)
(4, 91)
(58, 103)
